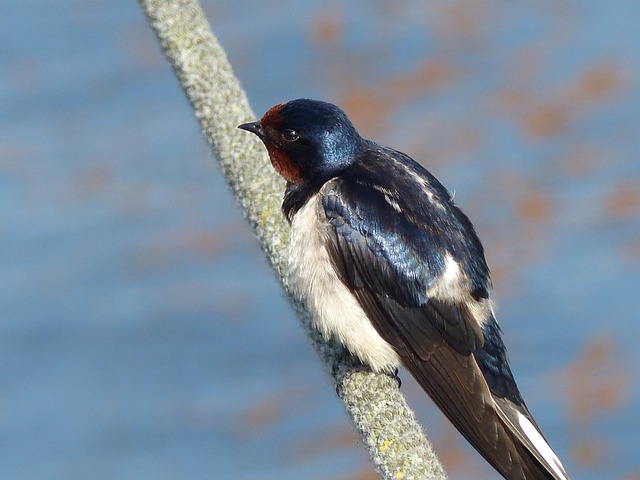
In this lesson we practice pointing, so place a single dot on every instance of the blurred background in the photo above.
(142, 335)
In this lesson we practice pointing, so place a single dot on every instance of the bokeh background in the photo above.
(141, 333)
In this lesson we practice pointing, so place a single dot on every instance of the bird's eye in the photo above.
(289, 135)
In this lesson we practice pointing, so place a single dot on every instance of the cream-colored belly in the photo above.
(334, 310)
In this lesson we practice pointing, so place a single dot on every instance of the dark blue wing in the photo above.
(393, 235)
(389, 243)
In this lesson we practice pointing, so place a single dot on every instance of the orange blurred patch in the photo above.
(269, 410)
(367, 108)
(87, 184)
(174, 244)
(581, 160)
(451, 453)
(510, 101)
(338, 437)
(371, 107)
(544, 114)
(623, 201)
(457, 457)
(328, 27)
(596, 83)
(522, 241)
(426, 77)
(546, 120)
(595, 383)
(464, 20)
(594, 386)
(533, 206)
(264, 414)
(365, 473)
(590, 452)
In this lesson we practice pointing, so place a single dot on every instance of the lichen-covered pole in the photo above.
(387, 426)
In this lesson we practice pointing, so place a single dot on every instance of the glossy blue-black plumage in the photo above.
(397, 251)
(412, 260)
(428, 227)
(399, 245)
(327, 138)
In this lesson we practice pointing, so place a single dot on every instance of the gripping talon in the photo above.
(395, 376)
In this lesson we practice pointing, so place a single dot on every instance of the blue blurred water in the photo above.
(142, 335)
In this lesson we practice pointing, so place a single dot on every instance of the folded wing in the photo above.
(398, 266)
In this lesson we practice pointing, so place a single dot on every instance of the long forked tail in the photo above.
(504, 433)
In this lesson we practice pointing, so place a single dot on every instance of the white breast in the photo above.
(334, 310)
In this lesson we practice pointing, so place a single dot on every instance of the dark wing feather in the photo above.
(403, 255)
(389, 261)
(458, 387)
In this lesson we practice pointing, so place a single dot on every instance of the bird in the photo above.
(387, 263)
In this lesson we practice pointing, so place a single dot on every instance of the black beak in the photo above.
(253, 127)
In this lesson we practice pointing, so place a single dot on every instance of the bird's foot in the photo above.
(394, 375)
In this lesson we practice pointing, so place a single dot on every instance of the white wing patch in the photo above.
(453, 286)
(391, 197)
(334, 310)
(424, 186)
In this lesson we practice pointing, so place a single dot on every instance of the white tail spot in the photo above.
(541, 445)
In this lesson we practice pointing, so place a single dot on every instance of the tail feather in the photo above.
(505, 434)
(524, 427)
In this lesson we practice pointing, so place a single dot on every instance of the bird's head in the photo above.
(307, 140)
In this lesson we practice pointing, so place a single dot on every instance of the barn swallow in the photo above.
(387, 263)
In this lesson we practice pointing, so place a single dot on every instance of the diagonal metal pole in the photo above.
(379, 412)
